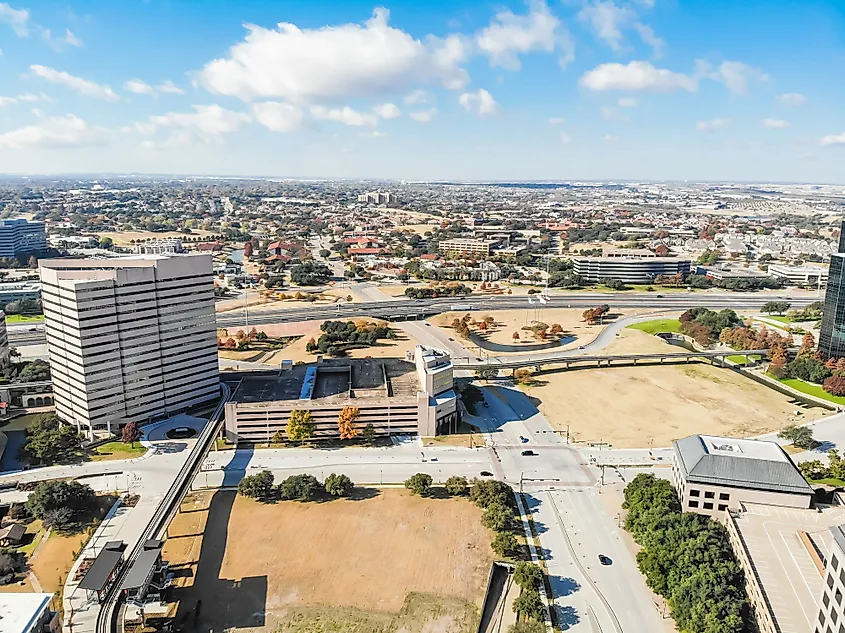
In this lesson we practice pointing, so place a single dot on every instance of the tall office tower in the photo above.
(129, 339)
(19, 236)
(832, 335)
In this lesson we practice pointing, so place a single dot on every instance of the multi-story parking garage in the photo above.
(398, 397)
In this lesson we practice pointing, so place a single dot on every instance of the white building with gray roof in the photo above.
(716, 474)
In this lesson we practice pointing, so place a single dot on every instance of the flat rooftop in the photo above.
(19, 611)
(333, 381)
(787, 574)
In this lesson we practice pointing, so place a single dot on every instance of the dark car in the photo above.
(528, 453)
(485, 404)
(659, 296)
(486, 473)
(605, 560)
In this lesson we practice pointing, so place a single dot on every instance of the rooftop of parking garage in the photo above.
(336, 380)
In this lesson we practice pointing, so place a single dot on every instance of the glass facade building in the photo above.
(832, 335)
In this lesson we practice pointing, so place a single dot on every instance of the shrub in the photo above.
(257, 486)
(338, 485)
(456, 485)
(505, 544)
(419, 484)
(60, 504)
(498, 517)
(527, 575)
(299, 488)
(486, 493)
(529, 605)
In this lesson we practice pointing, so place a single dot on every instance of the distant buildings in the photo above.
(19, 291)
(799, 275)
(398, 397)
(166, 246)
(4, 342)
(466, 247)
(129, 339)
(20, 236)
(715, 474)
(630, 269)
(832, 335)
(378, 197)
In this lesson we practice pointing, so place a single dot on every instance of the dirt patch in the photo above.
(654, 404)
(386, 562)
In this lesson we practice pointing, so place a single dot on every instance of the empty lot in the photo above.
(385, 562)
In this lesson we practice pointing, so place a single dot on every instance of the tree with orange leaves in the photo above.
(346, 422)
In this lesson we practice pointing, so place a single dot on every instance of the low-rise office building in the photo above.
(466, 247)
(716, 474)
(19, 291)
(28, 613)
(20, 236)
(414, 396)
(799, 275)
(165, 246)
(630, 270)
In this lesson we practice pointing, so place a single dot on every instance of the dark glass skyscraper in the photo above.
(832, 336)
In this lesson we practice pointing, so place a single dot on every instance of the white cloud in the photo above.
(417, 96)
(72, 40)
(387, 111)
(607, 21)
(345, 115)
(612, 114)
(712, 125)
(4, 101)
(555, 121)
(54, 133)
(776, 124)
(82, 86)
(38, 113)
(168, 87)
(32, 98)
(138, 87)
(18, 19)
(833, 139)
(206, 124)
(374, 134)
(792, 99)
(735, 75)
(480, 102)
(637, 76)
(424, 116)
(610, 138)
(279, 117)
(626, 102)
(565, 139)
(334, 62)
(510, 35)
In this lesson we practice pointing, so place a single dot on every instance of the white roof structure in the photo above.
(20, 612)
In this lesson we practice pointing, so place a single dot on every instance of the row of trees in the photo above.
(815, 469)
(451, 290)
(686, 558)
(310, 273)
(339, 336)
(809, 365)
(704, 325)
(261, 486)
(300, 426)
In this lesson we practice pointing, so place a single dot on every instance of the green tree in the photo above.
(487, 492)
(456, 485)
(527, 575)
(527, 626)
(498, 517)
(60, 504)
(300, 426)
(419, 484)
(486, 373)
(505, 544)
(529, 605)
(49, 440)
(130, 433)
(369, 433)
(799, 436)
(775, 307)
(278, 437)
(338, 485)
(299, 488)
(257, 486)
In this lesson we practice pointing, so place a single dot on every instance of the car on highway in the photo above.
(528, 453)
(486, 473)
(451, 339)
(659, 296)
(486, 404)
(605, 560)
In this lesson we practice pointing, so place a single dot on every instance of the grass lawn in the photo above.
(658, 325)
(829, 481)
(782, 319)
(24, 318)
(740, 360)
(811, 389)
(117, 450)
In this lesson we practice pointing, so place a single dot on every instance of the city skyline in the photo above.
(598, 90)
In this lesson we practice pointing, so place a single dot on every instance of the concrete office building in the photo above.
(832, 335)
(166, 246)
(28, 613)
(378, 197)
(414, 396)
(19, 291)
(466, 247)
(799, 275)
(716, 474)
(130, 339)
(21, 236)
(630, 270)
(831, 614)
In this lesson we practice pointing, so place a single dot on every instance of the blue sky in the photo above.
(572, 89)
